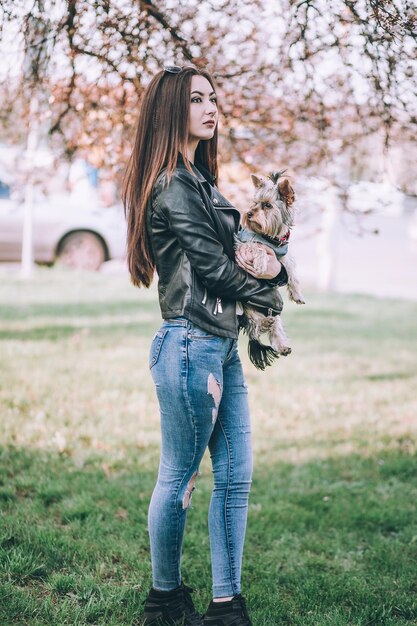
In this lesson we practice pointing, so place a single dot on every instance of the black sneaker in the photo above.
(230, 613)
(171, 608)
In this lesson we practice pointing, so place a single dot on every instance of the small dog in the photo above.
(268, 223)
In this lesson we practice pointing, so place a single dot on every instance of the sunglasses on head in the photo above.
(172, 69)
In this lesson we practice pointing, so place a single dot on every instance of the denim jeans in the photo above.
(203, 401)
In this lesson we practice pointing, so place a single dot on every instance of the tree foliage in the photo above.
(300, 81)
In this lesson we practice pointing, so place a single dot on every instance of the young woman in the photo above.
(180, 225)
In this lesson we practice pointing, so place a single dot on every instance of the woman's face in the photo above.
(203, 109)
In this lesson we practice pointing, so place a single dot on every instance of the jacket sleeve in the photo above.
(280, 279)
(192, 224)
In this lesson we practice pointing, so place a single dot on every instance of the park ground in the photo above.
(332, 528)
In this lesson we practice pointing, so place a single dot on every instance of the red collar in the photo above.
(280, 241)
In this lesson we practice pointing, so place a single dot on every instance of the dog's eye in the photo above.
(267, 205)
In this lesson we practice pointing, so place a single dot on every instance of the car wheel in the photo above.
(82, 251)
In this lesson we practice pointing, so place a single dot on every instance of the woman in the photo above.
(180, 225)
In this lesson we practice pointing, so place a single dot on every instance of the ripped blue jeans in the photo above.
(203, 402)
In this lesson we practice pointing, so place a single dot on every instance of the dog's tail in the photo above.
(261, 356)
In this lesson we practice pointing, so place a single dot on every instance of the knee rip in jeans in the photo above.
(214, 390)
(186, 501)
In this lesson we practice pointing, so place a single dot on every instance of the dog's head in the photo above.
(271, 212)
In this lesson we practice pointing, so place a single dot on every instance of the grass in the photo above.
(332, 529)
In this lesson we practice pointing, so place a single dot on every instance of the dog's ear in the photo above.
(258, 181)
(286, 192)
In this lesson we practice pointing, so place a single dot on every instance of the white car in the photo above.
(75, 232)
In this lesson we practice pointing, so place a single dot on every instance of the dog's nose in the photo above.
(249, 214)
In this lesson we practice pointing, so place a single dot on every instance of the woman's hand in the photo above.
(245, 262)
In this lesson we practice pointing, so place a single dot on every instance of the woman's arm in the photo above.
(190, 221)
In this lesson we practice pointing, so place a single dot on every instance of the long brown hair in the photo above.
(161, 134)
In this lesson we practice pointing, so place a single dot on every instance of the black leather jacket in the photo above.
(191, 229)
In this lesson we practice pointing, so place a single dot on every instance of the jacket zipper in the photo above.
(218, 307)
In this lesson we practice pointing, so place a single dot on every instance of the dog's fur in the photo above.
(272, 215)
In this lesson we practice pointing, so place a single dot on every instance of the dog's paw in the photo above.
(298, 298)
(284, 350)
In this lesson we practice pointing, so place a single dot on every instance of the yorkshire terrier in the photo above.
(268, 223)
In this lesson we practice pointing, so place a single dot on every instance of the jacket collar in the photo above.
(202, 174)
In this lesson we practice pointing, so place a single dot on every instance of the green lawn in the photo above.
(332, 529)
